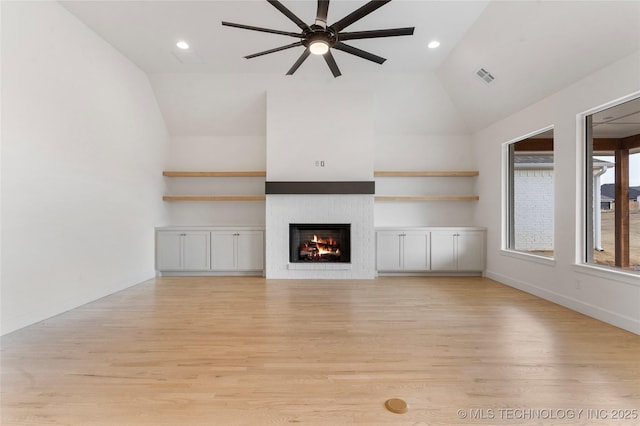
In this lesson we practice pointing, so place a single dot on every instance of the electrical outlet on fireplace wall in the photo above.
(319, 163)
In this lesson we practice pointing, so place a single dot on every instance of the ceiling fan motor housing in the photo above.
(319, 34)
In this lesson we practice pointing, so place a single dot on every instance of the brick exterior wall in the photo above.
(533, 210)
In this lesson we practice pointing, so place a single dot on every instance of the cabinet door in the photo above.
(196, 255)
(443, 255)
(470, 251)
(250, 250)
(388, 250)
(223, 251)
(415, 251)
(168, 251)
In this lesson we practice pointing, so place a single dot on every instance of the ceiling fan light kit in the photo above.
(320, 38)
(318, 44)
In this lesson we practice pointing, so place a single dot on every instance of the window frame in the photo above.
(508, 198)
(584, 242)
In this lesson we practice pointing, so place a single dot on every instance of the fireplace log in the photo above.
(318, 246)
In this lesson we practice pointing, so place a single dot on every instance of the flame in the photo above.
(327, 241)
(319, 247)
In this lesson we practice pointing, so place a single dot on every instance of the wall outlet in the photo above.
(319, 163)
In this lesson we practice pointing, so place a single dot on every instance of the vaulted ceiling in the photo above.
(532, 48)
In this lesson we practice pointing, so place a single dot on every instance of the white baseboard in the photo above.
(51, 308)
(210, 274)
(605, 315)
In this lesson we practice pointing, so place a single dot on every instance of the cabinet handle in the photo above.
(183, 235)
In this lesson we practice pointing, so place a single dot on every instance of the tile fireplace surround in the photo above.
(355, 209)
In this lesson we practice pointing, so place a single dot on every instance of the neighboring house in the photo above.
(609, 189)
(533, 209)
(533, 202)
(606, 203)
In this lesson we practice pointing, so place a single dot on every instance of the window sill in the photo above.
(543, 260)
(626, 277)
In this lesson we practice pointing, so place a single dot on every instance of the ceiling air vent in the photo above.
(485, 75)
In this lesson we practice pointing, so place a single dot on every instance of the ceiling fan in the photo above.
(319, 38)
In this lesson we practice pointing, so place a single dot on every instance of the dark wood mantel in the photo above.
(346, 187)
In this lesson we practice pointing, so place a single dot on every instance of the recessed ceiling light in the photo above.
(433, 44)
(182, 45)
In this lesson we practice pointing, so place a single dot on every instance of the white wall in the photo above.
(611, 297)
(310, 139)
(83, 143)
(219, 122)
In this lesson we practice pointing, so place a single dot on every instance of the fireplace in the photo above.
(282, 210)
(319, 242)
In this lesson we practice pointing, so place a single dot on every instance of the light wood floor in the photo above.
(250, 351)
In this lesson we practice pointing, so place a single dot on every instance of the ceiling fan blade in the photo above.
(328, 57)
(289, 14)
(264, 30)
(376, 33)
(277, 49)
(299, 62)
(321, 15)
(359, 52)
(358, 14)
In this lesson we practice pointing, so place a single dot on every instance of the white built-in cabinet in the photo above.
(403, 250)
(235, 250)
(214, 250)
(183, 251)
(447, 250)
(457, 250)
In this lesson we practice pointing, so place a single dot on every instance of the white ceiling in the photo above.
(619, 121)
(147, 32)
(533, 48)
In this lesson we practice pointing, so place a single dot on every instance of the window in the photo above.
(613, 187)
(530, 194)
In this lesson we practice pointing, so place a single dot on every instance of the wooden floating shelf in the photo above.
(428, 198)
(255, 173)
(468, 173)
(262, 198)
(213, 198)
(262, 173)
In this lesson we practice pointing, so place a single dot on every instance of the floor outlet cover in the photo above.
(396, 405)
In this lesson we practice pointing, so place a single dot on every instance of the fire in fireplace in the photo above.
(313, 242)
